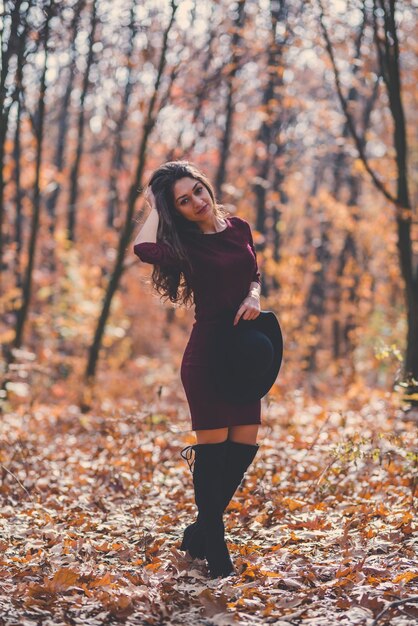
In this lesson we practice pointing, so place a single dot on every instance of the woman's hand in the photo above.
(250, 308)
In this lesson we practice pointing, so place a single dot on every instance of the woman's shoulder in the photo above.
(239, 222)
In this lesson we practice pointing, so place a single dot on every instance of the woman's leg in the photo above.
(196, 547)
(208, 478)
(244, 434)
(213, 435)
(241, 453)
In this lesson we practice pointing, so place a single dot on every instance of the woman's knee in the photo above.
(214, 435)
(244, 434)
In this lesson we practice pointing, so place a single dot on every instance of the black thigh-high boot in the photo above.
(208, 478)
(239, 458)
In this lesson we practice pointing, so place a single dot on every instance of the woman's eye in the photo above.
(198, 190)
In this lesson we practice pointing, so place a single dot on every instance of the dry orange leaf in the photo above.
(405, 577)
(292, 504)
(62, 580)
(104, 581)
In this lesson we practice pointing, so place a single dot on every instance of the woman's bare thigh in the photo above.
(212, 435)
(241, 434)
(244, 434)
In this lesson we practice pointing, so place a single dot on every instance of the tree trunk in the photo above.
(235, 61)
(18, 196)
(15, 45)
(388, 51)
(59, 162)
(27, 283)
(71, 224)
(268, 136)
(117, 152)
(126, 231)
(345, 321)
(387, 46)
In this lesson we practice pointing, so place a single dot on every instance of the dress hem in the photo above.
(228, 426)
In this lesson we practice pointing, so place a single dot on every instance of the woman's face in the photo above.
(192, 199)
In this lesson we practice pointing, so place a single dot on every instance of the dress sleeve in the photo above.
(256, 276)
(155, 253)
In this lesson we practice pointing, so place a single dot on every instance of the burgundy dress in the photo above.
(224, 265)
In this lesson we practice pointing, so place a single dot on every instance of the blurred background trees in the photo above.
(302, 114)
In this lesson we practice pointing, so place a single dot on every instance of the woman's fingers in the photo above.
(239, 313)
(251, 316)
(251, 313)
(248, 313)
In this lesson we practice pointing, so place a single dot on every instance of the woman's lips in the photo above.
(202, 209)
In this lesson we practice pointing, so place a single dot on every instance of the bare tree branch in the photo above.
(359, 142)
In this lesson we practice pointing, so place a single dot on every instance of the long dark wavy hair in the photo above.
(174, 283)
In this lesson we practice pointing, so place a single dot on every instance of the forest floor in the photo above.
(321, 532)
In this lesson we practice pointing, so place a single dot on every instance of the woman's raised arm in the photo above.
(148, 231)
(146, 246)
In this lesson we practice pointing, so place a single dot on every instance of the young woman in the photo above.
(203, 256)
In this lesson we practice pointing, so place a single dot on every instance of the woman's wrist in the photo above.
(254, 291)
